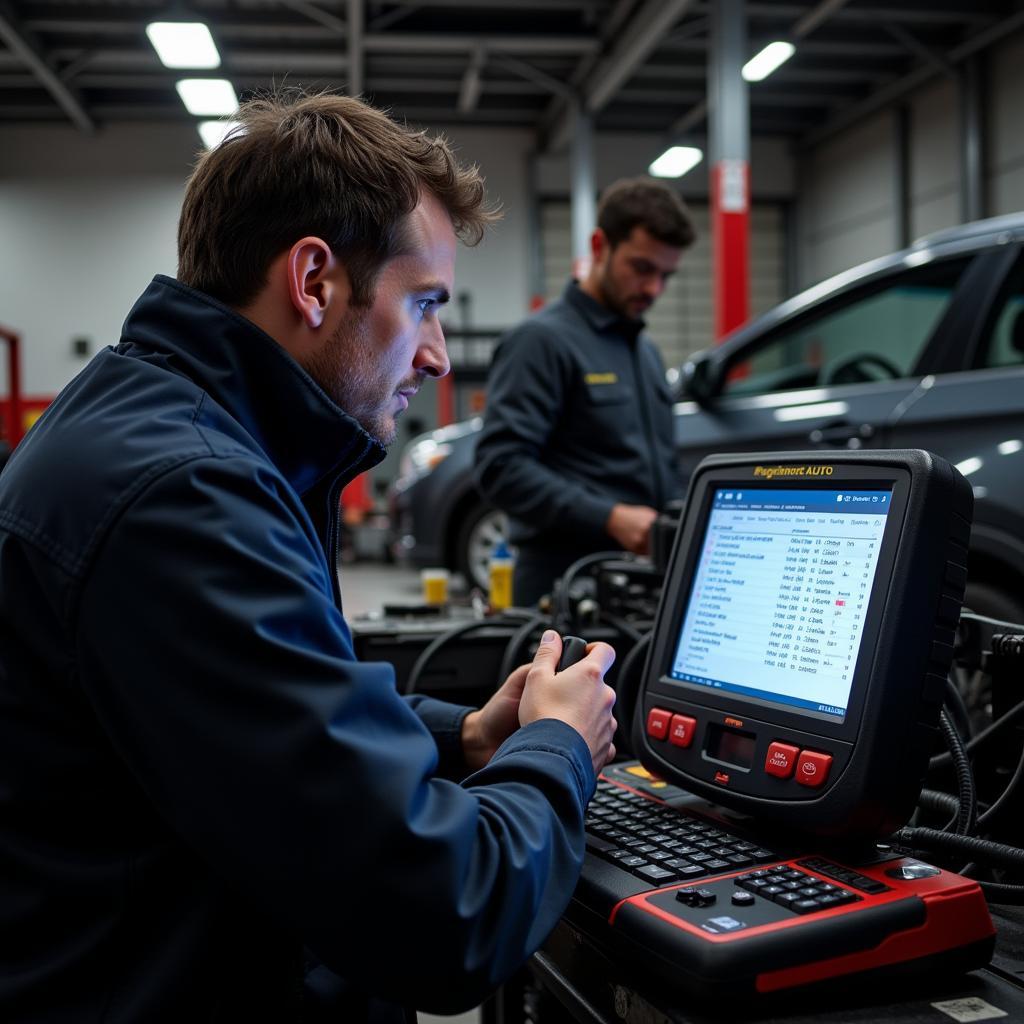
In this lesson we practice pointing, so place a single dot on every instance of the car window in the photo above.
(874, 334)
(1005, 344)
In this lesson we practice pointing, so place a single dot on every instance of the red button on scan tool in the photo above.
(812, 768)
(681, 730)
(657, 723)
(781, 760)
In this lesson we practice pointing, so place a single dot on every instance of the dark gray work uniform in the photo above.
(578, 419)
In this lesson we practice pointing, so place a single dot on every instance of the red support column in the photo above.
(16, 426)
(730, 233)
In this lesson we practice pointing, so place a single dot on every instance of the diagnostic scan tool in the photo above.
(800, 654)
(784, 722)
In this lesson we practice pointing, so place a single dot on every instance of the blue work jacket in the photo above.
(201, 789)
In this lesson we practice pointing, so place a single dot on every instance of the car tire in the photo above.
(479, 533)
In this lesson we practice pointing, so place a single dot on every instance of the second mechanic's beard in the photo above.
(612, 295)
(349, 369)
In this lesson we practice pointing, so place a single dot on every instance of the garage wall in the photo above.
(846, 207)
(1005, 155)
(87, 221)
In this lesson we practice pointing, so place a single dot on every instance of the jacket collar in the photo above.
(303, 432)
(599, 316)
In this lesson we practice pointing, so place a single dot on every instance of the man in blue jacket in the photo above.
(577, 444)
(202, 793)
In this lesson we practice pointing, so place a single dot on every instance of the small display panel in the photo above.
(780, 595)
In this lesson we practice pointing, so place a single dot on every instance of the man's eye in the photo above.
(425, 304)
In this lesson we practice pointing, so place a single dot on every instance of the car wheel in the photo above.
(480, 532)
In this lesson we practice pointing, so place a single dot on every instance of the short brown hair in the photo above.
(323, 165)
(647, 203)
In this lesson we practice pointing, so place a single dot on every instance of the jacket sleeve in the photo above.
(527, 393)
(444, 721)
(215, 659)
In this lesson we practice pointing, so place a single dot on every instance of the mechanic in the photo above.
(576, 445)
(209, 811)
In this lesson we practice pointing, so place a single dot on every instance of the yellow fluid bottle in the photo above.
(499, 571)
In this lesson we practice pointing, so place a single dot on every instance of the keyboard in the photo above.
(717, 907)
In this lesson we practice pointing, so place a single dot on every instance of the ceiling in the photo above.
(636, 65)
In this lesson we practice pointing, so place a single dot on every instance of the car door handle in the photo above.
(842, 435)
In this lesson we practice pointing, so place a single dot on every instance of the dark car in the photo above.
(920, 349)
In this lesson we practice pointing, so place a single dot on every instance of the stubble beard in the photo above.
(345, 368)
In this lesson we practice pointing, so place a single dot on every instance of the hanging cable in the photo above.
(968, 811)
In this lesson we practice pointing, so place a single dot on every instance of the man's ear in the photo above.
(315, 280)
(599, 245)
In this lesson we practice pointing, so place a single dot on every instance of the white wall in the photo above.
(86, 221)
(845, 202)
(846, 198)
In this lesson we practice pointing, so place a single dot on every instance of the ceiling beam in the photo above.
(916, 78)
(964, 15)
(919, 49)
(21, 42)
(355, 36)
(641, 35)
(472, 82)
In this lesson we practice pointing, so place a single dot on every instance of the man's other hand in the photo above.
(630, 526)
(485, 730)
(578, 696)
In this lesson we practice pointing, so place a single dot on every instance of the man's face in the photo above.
(633, 274)
(378, 357)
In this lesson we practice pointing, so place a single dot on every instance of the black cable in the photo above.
(957, 707)
(561, 609)
(428, 652)
(627, 691)
(975, 617)
(983, 850)
(998, 892)
(1009, 791)
(515, 650)
(944, 760)
(625, 628)
(936, 800)
(967, 814)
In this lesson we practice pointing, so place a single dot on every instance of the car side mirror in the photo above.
(700, 379)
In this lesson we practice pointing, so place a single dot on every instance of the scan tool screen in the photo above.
(779, 596)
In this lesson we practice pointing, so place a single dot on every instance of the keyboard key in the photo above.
(654, 873)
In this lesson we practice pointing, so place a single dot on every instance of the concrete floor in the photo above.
(365, 587)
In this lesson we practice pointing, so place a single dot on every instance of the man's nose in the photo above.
(432, 355)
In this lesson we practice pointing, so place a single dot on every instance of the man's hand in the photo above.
(578, 696)
(485, 730)
(630, 525)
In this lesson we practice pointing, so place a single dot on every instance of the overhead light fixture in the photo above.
(213, 133)
(676, 161)
(183, 44)
(208, 97)
(761, 65)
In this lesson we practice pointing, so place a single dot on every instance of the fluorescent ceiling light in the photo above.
(183, 44)
(676, 161)
(213, 133)
(208, 97)
(764, 63)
